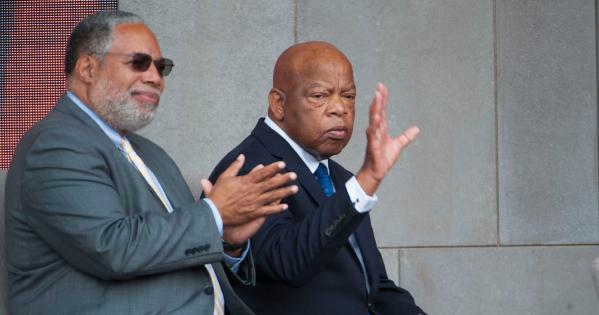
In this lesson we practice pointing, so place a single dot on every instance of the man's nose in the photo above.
(337, 105)
(153, 77)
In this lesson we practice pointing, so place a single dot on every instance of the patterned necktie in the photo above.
(145, 172)
(324, 179)
(219, 300)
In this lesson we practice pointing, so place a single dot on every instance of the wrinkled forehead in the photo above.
(306, 62)
(323, 64)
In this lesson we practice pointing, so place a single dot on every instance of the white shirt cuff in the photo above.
(361, 201)
(216, 214)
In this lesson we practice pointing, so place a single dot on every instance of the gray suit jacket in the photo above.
(85, 233)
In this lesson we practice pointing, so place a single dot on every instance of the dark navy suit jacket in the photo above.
(304, 262)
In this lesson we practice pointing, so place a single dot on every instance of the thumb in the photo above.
(206, 186)
(408, 136)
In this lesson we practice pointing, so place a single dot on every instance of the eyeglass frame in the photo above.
(166, 63)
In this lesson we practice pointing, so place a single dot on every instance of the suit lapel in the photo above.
(170, 188)
(279, 148)
(67, 107)
(339, 175)
(363, 233)
(233, 304)
(365, 239)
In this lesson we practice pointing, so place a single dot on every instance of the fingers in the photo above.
(259, 174)
(412, 132)
(378, 119)
(257, 167)
(383, 113)
(279, 180)
(378, 111)
(271, 209)
(373, 131)
(408, 136)
(269, 177)
(384, 98)
(374, 111)
(206, 186)
(238, 234)
(275, 202)
(271, 196)
(234, 168)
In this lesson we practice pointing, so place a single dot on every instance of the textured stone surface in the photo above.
(547, 105)
(551, 280)
(224, 53)
(391, 259)
(437, 59)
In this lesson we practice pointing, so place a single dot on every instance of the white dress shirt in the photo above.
(361, 201)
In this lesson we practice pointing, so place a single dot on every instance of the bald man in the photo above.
(320, 256)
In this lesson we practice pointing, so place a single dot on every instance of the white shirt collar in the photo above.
(309, 159)
(114, 136)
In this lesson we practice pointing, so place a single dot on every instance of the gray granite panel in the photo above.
(595, 273)
(224, 53)
(552, 280)
(437, 59)
(391, 259)
(547, 105)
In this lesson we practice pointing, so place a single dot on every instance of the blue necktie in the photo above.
(324, 179)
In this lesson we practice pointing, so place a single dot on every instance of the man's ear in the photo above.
(276, 104)
(87, 68)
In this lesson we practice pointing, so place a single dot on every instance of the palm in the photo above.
(240, 233)
(382, 150)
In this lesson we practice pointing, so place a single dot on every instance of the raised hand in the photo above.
(244, 201)
(382, 150)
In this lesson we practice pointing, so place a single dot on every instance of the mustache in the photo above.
(145, 89)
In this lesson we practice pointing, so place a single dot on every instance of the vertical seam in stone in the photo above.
(496, 108)
(597, 94)
(295, 22)
(399, 267)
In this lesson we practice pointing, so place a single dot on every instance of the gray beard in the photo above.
(119, 109)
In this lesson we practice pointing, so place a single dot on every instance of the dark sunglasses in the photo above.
(141, 62)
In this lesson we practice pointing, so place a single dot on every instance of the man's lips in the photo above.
(147, 97)
(338, 133)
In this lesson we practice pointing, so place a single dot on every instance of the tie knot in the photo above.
(321, 171)
(126, 146)
(324, 179)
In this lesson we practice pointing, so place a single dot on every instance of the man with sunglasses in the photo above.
(100, 220)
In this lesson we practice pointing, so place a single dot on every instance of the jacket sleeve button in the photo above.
(209, 290)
